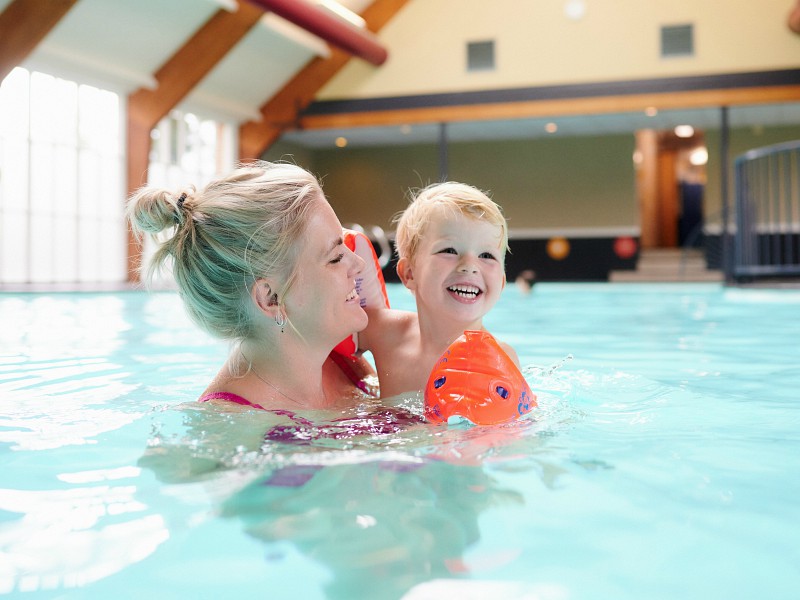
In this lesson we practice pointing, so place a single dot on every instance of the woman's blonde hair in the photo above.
(224, 237)
(459, 198)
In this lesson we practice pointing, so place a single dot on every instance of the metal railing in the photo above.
(766, 241)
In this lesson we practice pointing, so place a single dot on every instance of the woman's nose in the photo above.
(357, 264)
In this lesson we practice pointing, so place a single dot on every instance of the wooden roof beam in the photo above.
(25, 23)
(281, 112)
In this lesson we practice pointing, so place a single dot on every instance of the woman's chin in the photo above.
(363, 321)
(357, 320)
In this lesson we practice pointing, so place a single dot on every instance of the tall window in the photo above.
(187, 150)
(61, 181)
(62, 176)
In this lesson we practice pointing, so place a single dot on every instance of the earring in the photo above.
(280, 320)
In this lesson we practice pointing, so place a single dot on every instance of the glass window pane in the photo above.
(14, 103)
(14, 247)
(41, 180)
(65, 241)
(15, 175)
(112, 242)
(65, 180)
(43, 99)
(88, 183)
(41, 248)
(64, 111)
(62, 177)
(88, 259)
(98, 119)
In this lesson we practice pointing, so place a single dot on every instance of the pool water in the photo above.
(662, 461)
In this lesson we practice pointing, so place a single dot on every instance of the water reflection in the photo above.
(377, 499)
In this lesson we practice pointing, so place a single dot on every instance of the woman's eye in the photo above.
(338, 258)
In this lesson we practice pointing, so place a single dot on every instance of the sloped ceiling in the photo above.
(123, 43)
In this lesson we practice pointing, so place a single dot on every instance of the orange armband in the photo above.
(475, 379)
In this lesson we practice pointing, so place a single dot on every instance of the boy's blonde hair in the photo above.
(459, 198)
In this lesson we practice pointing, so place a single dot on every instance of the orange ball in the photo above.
(625, 247)
(558, 248)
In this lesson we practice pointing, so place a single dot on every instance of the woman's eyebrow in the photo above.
(337, 242)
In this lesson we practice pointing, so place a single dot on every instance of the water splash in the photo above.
(536, 371)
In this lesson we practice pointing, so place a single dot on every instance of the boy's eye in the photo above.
(488, 255)
(448, 251)
(338, 258)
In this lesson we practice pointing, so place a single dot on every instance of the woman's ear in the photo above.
(406, 273)
(264, 297)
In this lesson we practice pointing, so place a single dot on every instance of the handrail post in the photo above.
(724, 151)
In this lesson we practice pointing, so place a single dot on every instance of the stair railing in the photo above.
(767, 235)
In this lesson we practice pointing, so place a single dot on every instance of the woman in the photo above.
(258, 258)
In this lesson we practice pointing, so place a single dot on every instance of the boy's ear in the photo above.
(406, 273)
(264, 297)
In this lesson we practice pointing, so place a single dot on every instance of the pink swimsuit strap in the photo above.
(230, 397)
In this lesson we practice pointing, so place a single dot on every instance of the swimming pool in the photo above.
(662, 462)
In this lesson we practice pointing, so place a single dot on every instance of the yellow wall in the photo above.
(537, 45)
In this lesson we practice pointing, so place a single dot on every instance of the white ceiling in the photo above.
(121, 43)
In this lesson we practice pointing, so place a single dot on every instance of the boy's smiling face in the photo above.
(457, 272)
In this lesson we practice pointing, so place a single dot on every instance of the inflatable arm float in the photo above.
(476, 380)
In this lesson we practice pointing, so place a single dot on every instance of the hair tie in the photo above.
(181, 199)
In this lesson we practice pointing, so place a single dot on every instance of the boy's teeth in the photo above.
(465, 290)
(352, 295)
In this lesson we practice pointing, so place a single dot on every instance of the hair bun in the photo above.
(152, 210)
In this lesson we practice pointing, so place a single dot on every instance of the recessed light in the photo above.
(575, 9)
(699, 156)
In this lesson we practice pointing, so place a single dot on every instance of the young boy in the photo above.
(451, 242)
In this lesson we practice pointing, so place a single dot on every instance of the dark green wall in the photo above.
(542, 183)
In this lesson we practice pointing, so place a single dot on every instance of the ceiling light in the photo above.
(551, 128)
(699, 156)
(684, 131)
(575, 9)
(341, 142)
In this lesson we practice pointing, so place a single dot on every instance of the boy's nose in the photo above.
(467, 266)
